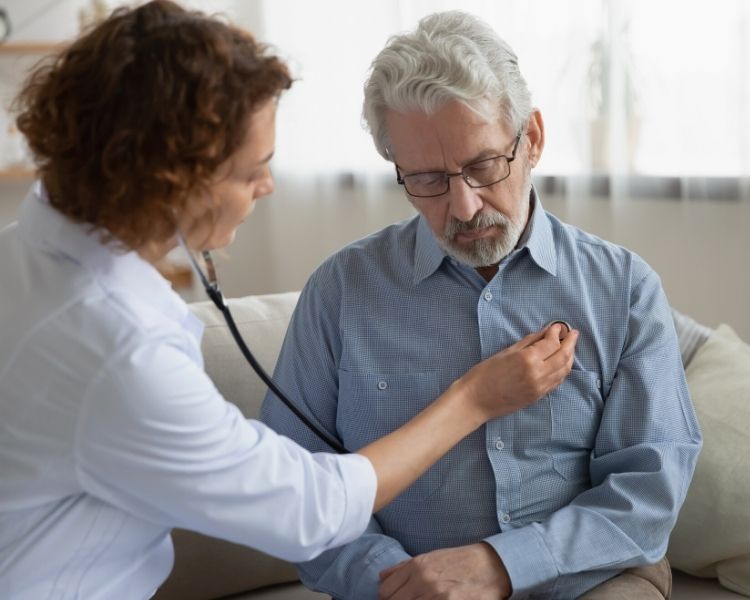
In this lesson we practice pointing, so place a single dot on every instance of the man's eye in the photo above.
(479, 167)
(426, 178)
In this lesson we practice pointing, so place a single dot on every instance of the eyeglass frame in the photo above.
(400, 179)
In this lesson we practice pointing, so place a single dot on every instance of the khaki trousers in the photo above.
(639, 583)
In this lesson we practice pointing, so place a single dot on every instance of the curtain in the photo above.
(640, 97)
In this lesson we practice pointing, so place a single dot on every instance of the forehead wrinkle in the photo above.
(443, 150)
(446, 140)
(457, 165)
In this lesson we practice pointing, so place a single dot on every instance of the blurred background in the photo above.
(646, 104)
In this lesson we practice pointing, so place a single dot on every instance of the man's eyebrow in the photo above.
(481, 155)
(486, 153)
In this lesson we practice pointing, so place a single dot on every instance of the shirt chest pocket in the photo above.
(372, 405)
(575, 410)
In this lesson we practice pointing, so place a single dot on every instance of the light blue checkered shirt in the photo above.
(569, 491)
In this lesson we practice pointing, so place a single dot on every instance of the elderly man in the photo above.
(552, 500)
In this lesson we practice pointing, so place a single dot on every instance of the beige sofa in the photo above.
(208, 568)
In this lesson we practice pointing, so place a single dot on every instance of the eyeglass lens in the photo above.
(479, 174)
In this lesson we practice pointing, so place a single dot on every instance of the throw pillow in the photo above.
(712, 535)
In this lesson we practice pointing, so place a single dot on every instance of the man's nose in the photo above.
(465, 201)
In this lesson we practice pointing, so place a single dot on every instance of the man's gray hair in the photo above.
(451, 56)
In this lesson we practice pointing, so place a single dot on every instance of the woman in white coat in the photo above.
(157, 123)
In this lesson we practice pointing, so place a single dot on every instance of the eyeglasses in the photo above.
(479, 174)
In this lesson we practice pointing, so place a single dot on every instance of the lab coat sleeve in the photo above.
(307, 369)
(155, 438)
(642, 463)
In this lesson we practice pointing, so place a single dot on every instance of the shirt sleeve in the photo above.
(155, 438)
(644, 457)
(353, 571)
(307, 370)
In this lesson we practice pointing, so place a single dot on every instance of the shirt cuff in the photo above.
(526, 558)
(360, 487)
(368, 582)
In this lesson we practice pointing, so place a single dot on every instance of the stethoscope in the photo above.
(211, 285)
(213, 291)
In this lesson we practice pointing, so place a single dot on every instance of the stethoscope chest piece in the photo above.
(565, 323)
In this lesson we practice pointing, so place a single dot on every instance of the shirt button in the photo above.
(599, 383)
(488, 296)
(505, 518)
(499, 444)
(382, 385)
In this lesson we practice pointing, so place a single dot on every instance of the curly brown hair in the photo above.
(137, 114)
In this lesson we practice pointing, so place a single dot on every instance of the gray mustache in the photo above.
(479, 221)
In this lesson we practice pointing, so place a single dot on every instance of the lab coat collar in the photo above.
(44, 227)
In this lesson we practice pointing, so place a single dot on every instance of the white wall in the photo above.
(701, 249)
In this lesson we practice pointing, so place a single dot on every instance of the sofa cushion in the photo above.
(262, 320)
(690, 334)
(687, 587)
(712, 536)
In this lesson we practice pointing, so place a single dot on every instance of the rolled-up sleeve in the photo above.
(156, 439)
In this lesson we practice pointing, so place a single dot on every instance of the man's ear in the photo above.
(535, 133)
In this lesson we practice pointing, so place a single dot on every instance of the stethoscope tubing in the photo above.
(213, 291)
(211, 285)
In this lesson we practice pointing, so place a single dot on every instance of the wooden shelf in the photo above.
(16, 174)
(31, 47)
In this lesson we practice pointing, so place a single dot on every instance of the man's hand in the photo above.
(473, 572)
(522, 373)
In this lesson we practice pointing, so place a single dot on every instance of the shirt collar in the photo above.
(44, 227)
(537, 238)
(428, 255)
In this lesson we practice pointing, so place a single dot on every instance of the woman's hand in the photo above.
(519, 375)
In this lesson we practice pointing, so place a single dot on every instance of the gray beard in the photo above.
(485, 251)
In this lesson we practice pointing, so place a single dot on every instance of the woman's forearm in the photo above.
(402, 456)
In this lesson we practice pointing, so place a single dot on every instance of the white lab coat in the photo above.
(111, 433)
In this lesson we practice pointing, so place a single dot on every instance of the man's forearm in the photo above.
(592, 534)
